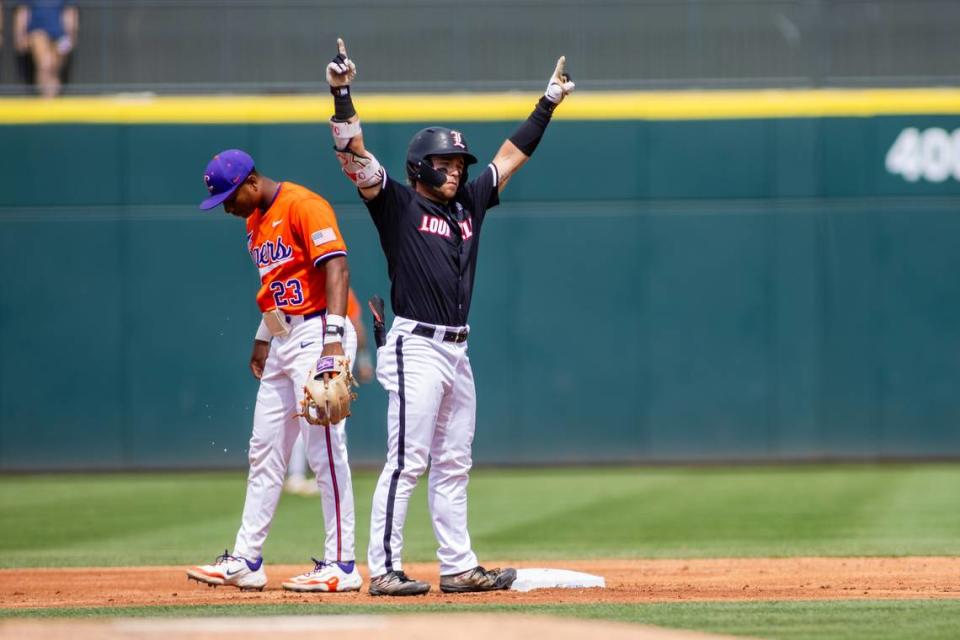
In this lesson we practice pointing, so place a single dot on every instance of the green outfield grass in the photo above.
(133, 519)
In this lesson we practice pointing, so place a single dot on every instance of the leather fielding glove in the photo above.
(328, 392)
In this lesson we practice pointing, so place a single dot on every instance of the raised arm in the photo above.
(71, 27)
(518, 148)
(357, 163)
(21, 17)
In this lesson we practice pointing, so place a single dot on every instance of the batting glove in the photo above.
(341, 71)
(560, 84)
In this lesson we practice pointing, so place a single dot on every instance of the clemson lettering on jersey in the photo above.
(271, 254)
(290, 257)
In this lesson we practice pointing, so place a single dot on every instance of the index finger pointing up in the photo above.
(559, 71)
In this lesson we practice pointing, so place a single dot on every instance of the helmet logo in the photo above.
(457, 139)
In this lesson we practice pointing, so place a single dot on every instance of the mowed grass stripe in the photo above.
(913, 510)
(142, 519)
(800, 620)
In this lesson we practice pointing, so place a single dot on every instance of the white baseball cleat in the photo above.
(327, 577)
(231, 570)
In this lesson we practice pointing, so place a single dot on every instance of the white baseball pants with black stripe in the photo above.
(275, 429)
(431, 418)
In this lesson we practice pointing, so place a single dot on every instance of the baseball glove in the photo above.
(328, 392)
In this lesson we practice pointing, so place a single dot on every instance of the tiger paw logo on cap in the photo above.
(224, 174)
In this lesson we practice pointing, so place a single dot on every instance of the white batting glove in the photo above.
(341, 71)
(560, 84)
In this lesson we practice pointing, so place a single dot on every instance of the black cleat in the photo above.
(478, 579)
(397, 583)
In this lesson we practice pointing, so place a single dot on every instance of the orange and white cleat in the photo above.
(232, 571)
(329, 577)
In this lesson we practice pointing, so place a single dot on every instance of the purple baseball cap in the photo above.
(224, 174)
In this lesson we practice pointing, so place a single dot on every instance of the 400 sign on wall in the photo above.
(932, 154)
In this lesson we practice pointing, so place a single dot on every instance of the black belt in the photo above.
(429, 331)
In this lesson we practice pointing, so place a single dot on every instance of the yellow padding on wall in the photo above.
(420, 107)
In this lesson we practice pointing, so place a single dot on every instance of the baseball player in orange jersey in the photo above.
(297, 482)
(293, 239)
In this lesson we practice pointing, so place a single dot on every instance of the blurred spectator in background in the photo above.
(44, 34)
(1, 28)
(1, 39)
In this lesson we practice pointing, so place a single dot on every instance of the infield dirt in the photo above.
(628, 581)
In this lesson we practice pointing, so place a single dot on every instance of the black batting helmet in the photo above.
(436, 141)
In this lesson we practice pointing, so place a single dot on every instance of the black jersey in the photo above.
(431, 248)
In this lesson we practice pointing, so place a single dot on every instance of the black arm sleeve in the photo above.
(528, 134)
(343, 108)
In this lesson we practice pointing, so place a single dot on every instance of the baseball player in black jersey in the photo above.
(430, 234)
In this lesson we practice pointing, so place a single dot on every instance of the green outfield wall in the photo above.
(650, 289)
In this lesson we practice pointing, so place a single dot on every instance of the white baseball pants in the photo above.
(431, 416)
(275, 429)
(298, 460)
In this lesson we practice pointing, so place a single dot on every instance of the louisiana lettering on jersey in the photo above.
(270, 254)
(434, 225)
(440, 227)
(466, 223)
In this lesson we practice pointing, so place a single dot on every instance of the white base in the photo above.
(530, 579)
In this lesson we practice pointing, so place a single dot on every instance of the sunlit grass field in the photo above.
(528, 514)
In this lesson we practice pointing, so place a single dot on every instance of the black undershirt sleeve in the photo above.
(343, 108)
(528, 134)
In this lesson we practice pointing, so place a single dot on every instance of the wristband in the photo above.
(528, 134)
(333, 331)
(343, 133)
(343, 108)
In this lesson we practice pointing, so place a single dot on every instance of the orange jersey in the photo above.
(288, 242)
